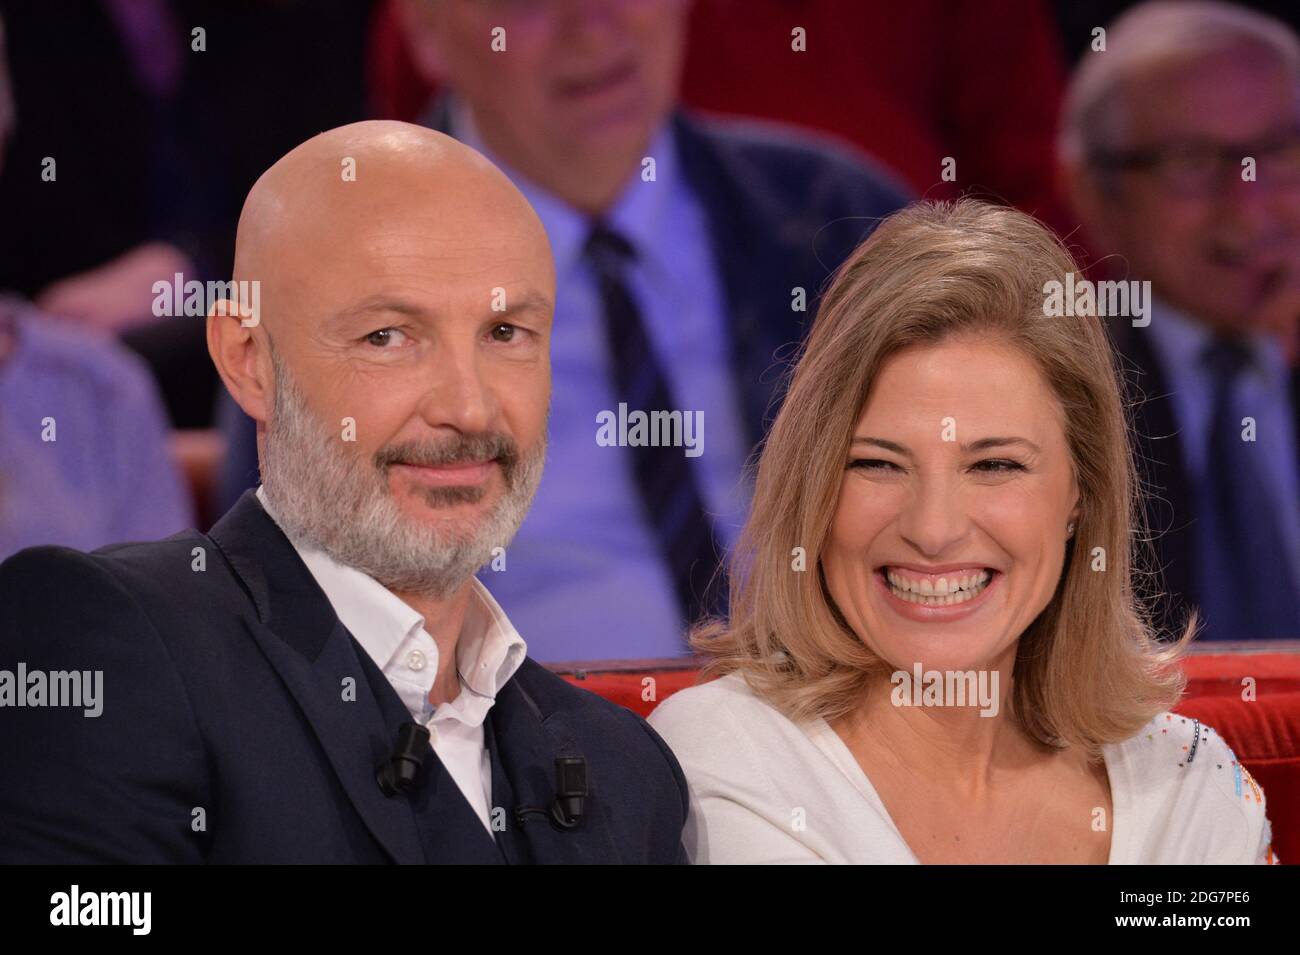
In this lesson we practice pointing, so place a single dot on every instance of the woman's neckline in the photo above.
(829, 742)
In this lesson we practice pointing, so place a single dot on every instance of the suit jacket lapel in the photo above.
(302, 638)
(523, 743)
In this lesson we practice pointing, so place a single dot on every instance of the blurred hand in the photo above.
(119, 294)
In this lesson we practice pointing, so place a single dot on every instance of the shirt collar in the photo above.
(1182, 339)
(488, 651)
(643, 212)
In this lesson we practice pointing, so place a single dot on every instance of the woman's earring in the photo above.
(1069, 529)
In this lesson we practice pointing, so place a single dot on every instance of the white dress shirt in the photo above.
(488, 652)
(765, 789)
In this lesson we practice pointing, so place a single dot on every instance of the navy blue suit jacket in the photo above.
(225, 703)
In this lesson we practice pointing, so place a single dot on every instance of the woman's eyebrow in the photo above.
(882, 443)
(983, 444)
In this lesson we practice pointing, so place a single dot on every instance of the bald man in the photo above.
(322, 678)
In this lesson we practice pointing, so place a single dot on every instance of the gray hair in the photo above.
(326, 499)
(1094, 117)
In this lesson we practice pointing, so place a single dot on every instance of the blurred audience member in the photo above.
(94, 237)
(83, 440)
(910, 83)
(1079, 18)
(141, 125)
(687, 255)
(1181, 145)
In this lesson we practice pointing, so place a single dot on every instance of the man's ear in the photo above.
(237, 352)
(419, 31)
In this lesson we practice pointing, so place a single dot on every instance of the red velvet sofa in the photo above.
(1263, 732)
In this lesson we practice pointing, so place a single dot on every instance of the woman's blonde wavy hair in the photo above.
(1089, 670)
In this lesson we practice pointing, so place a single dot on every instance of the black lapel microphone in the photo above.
(397, 773)
(570, 803)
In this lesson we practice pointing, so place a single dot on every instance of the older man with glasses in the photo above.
(1181, 151)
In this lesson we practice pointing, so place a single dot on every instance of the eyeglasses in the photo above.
(1198, 167)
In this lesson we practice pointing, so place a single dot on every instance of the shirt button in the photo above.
(415, 660)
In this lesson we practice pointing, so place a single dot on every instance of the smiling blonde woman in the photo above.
(947, 501)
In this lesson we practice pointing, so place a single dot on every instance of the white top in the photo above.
(764, 789)
(488, 652)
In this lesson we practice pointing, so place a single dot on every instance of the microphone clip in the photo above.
(570, 803)
(398, 773)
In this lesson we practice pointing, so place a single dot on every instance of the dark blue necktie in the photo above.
(1247, 589)
(670, 498)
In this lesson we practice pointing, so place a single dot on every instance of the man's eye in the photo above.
(1191, 160)
(383, 337)
(504, 332)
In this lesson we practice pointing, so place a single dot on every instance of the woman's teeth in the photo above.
(940, 592)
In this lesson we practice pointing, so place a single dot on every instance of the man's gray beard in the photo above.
(326, 498)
